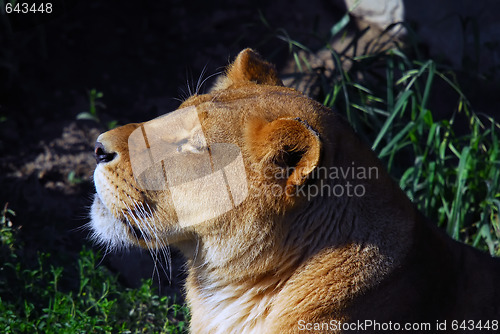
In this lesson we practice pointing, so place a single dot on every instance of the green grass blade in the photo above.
(462, 173)
(400, 104)
(339, 26)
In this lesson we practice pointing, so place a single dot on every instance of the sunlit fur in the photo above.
(280, 258)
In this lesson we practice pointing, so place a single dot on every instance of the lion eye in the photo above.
(195, 144)
(190, 148)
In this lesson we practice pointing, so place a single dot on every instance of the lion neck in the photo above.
(236, 298)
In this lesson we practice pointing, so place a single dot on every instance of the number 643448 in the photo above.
(25, 8)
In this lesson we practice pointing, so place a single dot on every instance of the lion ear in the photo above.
(250, 67)
(288, 144)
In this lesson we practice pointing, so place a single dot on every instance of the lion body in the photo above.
(287, 261)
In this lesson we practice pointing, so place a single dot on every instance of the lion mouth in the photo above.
(134, 231)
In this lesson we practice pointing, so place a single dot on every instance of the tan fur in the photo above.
(282, 257)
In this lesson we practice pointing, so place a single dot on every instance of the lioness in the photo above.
(288, 220)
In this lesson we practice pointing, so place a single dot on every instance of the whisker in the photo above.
(106, 252)
(199, 83)
(184, 95)
(140, 217)
(165, 249)
(126, 219)
(159, 243)
(195, 90)
(142, 225)
(182, 99)
(210, 76)
(85, 227)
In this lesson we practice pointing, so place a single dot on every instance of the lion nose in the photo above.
(101, 155)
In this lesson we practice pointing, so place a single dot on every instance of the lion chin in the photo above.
(288, 220)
